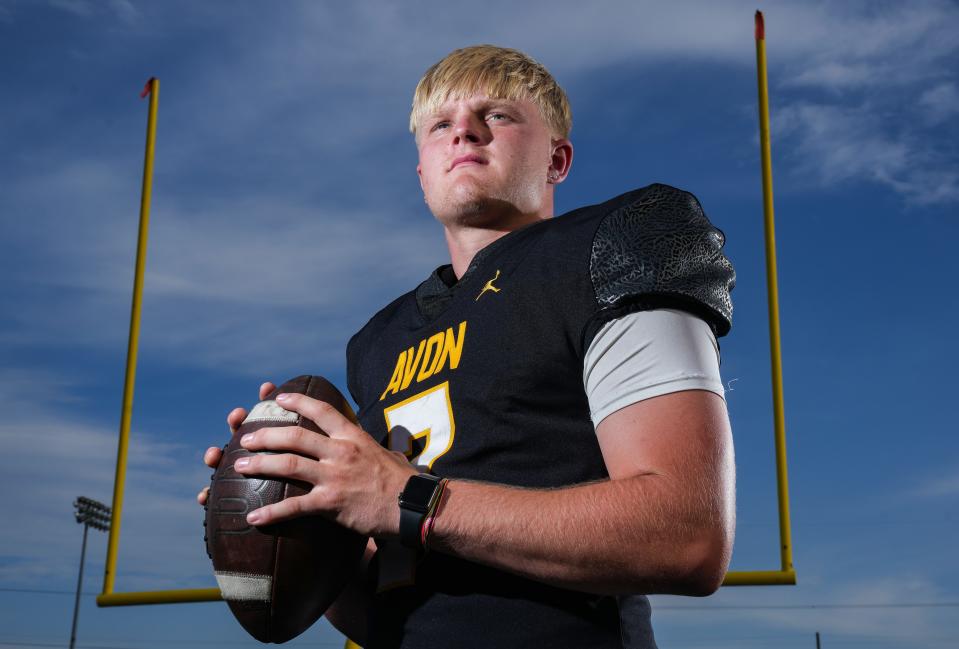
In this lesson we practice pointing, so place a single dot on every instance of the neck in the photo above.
(464, 240)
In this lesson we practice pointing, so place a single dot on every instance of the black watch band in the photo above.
(416, 501)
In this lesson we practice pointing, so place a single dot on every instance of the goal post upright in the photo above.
(152, 89)
(786, 575)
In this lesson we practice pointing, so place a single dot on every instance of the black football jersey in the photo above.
(482, 379)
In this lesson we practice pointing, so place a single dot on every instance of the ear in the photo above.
(561, 159)
(419, 173)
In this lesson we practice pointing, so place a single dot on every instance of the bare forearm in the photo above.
(619, 536)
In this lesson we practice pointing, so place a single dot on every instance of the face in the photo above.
(487, 162)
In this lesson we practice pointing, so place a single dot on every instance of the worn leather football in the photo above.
(277, 579)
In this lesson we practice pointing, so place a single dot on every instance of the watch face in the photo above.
(418, 492)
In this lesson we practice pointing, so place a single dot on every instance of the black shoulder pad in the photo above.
(660, 251)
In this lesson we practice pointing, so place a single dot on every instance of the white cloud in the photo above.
(834, 74)
(940, 102)
(832, 143)
(941, 485)
(853, 47)
(76, 7)
(122, 9)
(249, 275)
(855, 44)
(868, 61)
(838, 143)
(283, 255)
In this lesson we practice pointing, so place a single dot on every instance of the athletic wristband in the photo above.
(425, 532)
(431, 516)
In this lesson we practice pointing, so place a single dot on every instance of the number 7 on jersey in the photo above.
(422, 426)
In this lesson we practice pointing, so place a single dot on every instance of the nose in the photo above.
(467, 129)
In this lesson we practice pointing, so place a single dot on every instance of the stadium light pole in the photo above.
(90, 513)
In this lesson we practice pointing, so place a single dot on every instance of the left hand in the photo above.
(355, 481)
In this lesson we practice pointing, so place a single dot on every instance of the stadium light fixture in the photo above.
(89, 513)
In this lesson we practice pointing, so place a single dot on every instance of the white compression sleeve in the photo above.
(646, 354)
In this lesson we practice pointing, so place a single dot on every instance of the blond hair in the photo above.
(499, 73)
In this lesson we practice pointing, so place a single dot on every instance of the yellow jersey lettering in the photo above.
(397, 378)
(431, 356)
(432, 353)
(453, 347)
(412, 364)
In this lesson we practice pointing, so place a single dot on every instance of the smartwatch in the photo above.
(417, 499)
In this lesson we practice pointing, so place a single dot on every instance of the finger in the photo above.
(235, 418)
(266, 389)
(282, 465)
(212, 457)
(330, 420)
(286, 438)
(281, 511)
(203, 496)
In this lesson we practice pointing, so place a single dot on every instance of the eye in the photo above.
(439, 125)
(497, 117)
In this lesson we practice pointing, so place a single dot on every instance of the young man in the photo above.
(560, 376)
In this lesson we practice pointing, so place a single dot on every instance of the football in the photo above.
(277, 579)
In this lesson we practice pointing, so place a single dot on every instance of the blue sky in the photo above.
(286, 211)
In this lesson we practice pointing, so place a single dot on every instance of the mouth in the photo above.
(468, 160)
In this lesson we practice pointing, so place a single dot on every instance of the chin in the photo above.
(472, 204)
(465, 201)
(472, 212)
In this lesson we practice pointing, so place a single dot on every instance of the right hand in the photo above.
(213, 454)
